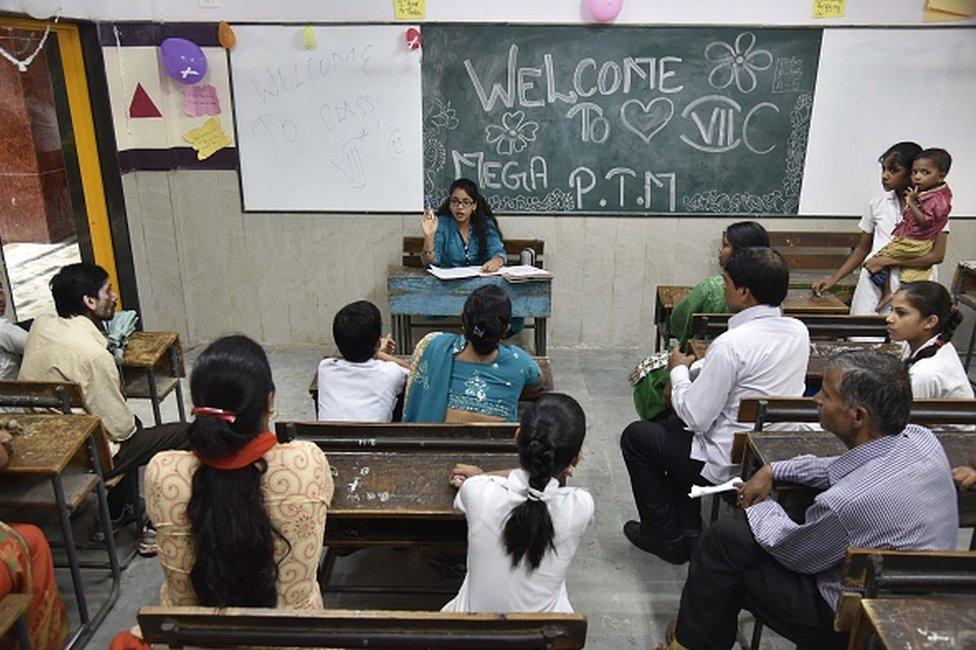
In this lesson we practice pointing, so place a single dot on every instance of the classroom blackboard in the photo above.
(573, 119)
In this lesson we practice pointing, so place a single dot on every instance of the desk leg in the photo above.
(22, 637)
(407, 334)
(175, 362)
(969, 350)
(540, 336)
(69, 548)
(153, 395)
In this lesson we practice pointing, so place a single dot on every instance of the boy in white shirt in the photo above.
(364, 384)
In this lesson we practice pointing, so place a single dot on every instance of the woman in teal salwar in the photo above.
(470, 377)
(650, 377)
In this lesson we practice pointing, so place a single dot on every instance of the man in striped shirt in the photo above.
(892, 489)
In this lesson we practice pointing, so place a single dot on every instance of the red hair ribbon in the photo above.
(219, 414)
(258, 446)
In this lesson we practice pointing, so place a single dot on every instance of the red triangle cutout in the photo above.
(142, 105)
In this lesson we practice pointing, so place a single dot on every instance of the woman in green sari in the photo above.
(650, 377)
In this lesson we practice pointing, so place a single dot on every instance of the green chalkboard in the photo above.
(567, 119)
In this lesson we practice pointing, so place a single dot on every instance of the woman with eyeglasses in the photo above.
(463, 231)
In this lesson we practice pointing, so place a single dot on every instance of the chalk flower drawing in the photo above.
(443, 115)
(514, 134)
(738, 64)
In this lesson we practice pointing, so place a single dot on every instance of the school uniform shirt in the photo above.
(13, 340)
(74, 350)
(763, 353)
(492, 584)
(894, 492)
(940, 376)
(359, 392)
(880, 218)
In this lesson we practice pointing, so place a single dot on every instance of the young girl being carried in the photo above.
(524, 525)
(928, 203)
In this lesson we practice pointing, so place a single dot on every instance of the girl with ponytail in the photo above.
(524, 525)
(471, 377)
(924, 318)
(240, 519)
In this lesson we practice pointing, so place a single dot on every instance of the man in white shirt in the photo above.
(12, 342)
(364, 384)
(71, 347)
(762, 353)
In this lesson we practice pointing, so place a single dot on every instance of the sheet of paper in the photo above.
(409, 9)
(702, 490)
(961, 7)
(455, 273)
(208, 139)
(828, 8)
(200, 100)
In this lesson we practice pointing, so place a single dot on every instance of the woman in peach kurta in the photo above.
(240, 519)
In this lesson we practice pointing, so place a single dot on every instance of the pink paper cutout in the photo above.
(142, 105)
(201, 100)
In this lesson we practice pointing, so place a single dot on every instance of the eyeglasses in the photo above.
(464, 203)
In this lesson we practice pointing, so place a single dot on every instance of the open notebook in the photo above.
(520, 273)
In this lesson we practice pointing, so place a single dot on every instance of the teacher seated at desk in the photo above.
(464, 231)
(470, 377)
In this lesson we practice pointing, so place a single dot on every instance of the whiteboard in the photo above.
(876, 87)
(335, 128)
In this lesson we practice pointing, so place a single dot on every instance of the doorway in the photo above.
(52, 204)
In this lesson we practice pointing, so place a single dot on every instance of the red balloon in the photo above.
(414, 38)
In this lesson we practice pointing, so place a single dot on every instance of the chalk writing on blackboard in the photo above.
(660, 120)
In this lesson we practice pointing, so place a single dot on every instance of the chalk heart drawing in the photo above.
(646, 120)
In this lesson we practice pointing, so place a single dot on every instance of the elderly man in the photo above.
(892, 489)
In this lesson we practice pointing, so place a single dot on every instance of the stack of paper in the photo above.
(521, 273)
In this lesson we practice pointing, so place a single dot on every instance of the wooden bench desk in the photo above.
(820, 352)
(546, 386)
(145, 355)
(919, 622)
(484, 436)
(415, 291)
(830, 327)
(336, 628)
(42, 474)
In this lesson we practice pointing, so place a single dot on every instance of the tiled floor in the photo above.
(627, 595)
(29, 269)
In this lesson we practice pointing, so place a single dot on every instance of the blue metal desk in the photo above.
(415, 291)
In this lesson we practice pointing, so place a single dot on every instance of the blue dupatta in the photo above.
(430, 381)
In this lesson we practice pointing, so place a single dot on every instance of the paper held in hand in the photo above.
(700, 491)
(520, 273)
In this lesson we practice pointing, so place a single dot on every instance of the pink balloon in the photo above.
(183, 60)
(604, 10)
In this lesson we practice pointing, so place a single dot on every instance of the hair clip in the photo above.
(217, 414)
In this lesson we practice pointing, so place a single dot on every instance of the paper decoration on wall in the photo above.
(414, 39)
(201, 100)
(226, 36)
(942, 10)
(208, 139)
(409, 9)
(183, 60)
(142, 105)
(309, 40)
(828, 8)
(604, 10)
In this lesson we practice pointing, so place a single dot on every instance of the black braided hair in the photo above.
(486, 316)
(931, 298)
(550, 437)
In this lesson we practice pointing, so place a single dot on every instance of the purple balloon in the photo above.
(183, 60)
(604, 10)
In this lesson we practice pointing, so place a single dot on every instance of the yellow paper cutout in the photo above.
(960, 7)
(208, 139)
(309, 39)
(828, 8)
(409, 9)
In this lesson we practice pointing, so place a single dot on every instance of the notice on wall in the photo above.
(200, 100)
(409, 9)
(208, 139)
(828, 8)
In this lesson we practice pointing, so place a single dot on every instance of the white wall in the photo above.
(680, 12)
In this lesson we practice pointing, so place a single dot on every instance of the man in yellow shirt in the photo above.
(71, 347)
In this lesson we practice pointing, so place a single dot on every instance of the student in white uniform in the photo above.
(924, 319)
(880, 217)
(364, 384)
(524, 525)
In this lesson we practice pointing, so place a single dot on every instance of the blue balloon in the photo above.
(183, 60)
